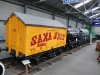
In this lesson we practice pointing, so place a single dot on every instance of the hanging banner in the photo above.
(71, 1)
(96, 22)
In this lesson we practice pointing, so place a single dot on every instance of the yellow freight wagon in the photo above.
(31, 35)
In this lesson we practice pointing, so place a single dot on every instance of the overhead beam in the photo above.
(70, 13)
(84, 6)
(78, 10)
(38, 1)
(70, 9)
(93, 5)
(73, 12)
(54, 6)
(99, 4)
(3, 20)
(95, 11)
(82, 18)
(14, 2)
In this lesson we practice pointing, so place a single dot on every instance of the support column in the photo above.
(76, 23)
(68, 21)
(82, 25)
(25, 7)
(53, 16)
(90, 34)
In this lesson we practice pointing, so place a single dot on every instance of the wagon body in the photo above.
(31, 35)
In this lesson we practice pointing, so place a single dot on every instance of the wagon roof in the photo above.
(39, 21)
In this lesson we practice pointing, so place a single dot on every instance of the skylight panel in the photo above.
(82, 3)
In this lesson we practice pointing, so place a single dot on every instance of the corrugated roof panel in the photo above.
(35, 20)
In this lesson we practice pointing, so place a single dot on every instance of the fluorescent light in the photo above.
(82, 3)
(92, 10)
(94, 15)
(87, 12)
(95, 8)
(97, 14)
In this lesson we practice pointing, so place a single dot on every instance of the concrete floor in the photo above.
(82, 62)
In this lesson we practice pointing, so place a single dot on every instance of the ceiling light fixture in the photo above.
(82, 3)
(91, 10)
(94, 15)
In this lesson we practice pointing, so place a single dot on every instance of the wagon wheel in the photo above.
(68, 48)
(1, 70)
(60, 51)
(51, 54)
(35, 61)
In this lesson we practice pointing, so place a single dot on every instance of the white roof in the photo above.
(34, 20)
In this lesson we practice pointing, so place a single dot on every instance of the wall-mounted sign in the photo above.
(96, 22)
(1, 38)
(71, 1)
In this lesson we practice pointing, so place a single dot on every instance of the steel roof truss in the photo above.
(78, 10)
(84, 6)
(93, 5)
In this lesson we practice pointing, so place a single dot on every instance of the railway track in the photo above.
(19, 71)
(38, 67)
